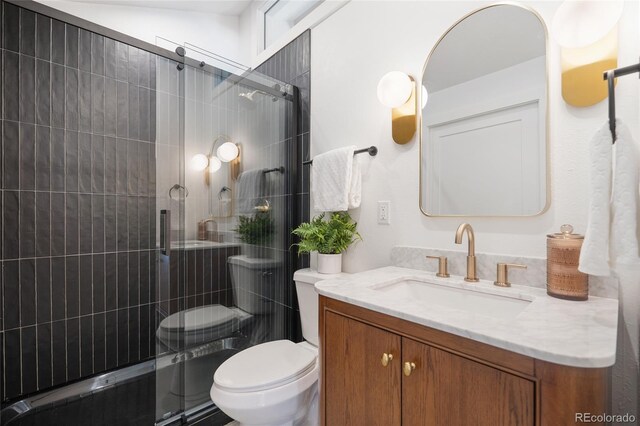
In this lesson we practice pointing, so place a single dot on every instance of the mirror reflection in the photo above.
(483, 133)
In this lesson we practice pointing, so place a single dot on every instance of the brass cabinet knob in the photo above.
(443, 271)
(386, 359)
(502, 277)
(408, 367)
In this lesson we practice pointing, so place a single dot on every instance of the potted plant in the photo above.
(330, 238)
(256, 231)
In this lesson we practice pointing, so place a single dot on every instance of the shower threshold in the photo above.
(55, 403)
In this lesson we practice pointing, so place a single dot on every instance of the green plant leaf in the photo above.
(256, 230)
(332, 236)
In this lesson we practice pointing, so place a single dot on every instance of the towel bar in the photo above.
(276, 169)
(372, 150)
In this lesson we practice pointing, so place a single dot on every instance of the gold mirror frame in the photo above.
(546, 132)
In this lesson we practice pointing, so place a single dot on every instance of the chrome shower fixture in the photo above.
(250, 97)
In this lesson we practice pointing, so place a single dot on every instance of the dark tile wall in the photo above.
(77, 201)
(194, 278)
(292, 65)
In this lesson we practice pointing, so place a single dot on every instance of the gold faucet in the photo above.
(202, 229)
(472, 276)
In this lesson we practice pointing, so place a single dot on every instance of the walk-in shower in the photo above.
(116, 309)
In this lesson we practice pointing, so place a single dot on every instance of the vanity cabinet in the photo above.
(364, 391)
(382, 370)
(447, 389)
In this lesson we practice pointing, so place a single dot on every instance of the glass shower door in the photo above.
(226, 284)
(171, 196)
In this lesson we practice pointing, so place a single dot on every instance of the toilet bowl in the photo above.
(276, 383)
(195, 326)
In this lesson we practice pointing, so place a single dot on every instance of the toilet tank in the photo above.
(308, 301)
(254, 283)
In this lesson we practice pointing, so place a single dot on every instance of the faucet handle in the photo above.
(502, 278)
(443, 270)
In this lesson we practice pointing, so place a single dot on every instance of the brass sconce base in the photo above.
(403, 119)
(583, 86)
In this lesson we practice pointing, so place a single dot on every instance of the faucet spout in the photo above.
(472, 238)
(471, 251)
(202, 228)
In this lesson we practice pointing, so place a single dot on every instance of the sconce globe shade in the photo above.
(424, 96)
(394, 89)
(214, 164)
(228, 151)
(581, 23)
(199, 162)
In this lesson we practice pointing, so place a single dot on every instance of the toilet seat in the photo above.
(198, 318)
(265, 366)
(198, 325)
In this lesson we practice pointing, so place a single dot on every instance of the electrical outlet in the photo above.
(384, 212)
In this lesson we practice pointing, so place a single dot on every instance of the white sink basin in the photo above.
(476, 302)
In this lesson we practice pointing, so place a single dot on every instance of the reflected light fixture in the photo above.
(199, 162)
(424, 96)
(396, 90)
(587, 32)
(214, 164)
(228, 152)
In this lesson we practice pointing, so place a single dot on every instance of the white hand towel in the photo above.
(594, 256)
(335, 181)
(624, 202)
(355, 190)
(250, 190)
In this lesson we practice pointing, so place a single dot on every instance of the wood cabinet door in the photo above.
(358, 389)
(448, 390)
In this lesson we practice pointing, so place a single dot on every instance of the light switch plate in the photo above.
(384, 212)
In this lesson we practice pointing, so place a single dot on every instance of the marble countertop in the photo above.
(579, 334)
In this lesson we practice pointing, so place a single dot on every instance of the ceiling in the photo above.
(220, 7)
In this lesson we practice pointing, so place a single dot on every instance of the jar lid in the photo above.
(566, 233)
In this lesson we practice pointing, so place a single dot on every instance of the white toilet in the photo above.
(276, 383)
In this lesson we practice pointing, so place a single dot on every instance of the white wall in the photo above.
(354, 47)
(364, 40)
(219, 34)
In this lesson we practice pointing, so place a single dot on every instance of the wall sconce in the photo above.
(397, 90)
(227, 152)
(587, 32)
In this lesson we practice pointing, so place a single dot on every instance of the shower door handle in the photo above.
(165, 232)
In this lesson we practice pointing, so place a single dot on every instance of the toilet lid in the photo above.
(198, 318)
(264, 366)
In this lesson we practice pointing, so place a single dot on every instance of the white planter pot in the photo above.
(329, 263)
